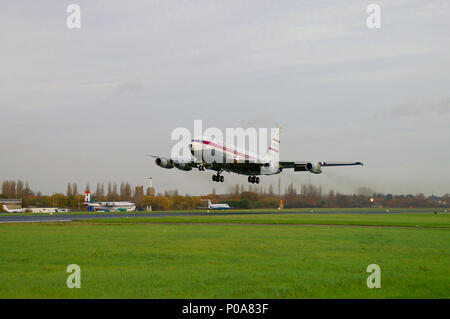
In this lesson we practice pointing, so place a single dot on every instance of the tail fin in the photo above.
(273, 154)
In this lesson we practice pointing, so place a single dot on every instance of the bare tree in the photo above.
(122, 191)
(69, 190)
(127, 191)
(19, 188)
(110, 191)
(74, 189)
(5, 188)
(114, 195)
(12, 188)
(99, 192)
(271, 190)
(27, 190)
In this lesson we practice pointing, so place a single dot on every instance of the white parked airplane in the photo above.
(217, 206)
(122, 206)
(240, 161)
(16, 210)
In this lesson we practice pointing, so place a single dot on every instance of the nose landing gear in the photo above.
(253, 179)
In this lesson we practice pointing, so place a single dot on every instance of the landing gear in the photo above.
(218, 178)
(201, 167)
(253, 179)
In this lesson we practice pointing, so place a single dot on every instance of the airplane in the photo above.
(122, 206)
(17, 210)
(239, 161)
(217, 206)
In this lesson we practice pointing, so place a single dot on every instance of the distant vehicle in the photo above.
(63, 210)
(217, 206)
(122, 206)
(240, 161)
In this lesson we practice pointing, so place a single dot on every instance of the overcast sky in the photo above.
(85, 105)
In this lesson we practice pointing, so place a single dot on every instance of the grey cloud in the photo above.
(86, 105)
(418, 107)
(129, 87)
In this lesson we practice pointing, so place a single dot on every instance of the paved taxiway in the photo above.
(67, 217)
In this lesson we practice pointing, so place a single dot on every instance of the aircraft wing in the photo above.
(307, 166)
(189, 164)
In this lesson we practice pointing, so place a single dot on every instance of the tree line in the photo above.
(237, 196)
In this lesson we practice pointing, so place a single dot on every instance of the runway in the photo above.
(67, 217)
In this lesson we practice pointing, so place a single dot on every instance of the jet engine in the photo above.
(183, 166)
(270, 168)
(315, 168)
(164, 163)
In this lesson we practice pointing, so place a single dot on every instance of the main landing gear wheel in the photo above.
(201, 167)
(218, 178)
(253, 179)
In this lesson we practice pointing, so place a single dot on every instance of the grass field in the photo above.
(400, 220)
(262, 210)
(247, 256)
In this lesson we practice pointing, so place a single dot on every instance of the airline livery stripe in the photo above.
(228, 150)
(271, 148)
(276, 140)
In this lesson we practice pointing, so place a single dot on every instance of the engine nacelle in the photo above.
(315, 168)
(183, 166)
(164, 163)
(270, 168)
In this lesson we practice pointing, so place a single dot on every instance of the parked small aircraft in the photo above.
(217, 206)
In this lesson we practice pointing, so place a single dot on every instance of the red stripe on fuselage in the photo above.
(271, 148)
(226, 149)
(276, 140)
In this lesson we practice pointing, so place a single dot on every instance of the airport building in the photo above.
(14, 204)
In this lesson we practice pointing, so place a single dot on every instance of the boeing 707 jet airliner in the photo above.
(233, 159)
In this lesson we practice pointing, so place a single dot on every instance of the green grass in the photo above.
(401, 220)
(242, 260)
(357, 209)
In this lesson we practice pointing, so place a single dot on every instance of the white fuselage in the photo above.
(209, 151)
(219, 206)
(15, 210)
(112, 206)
